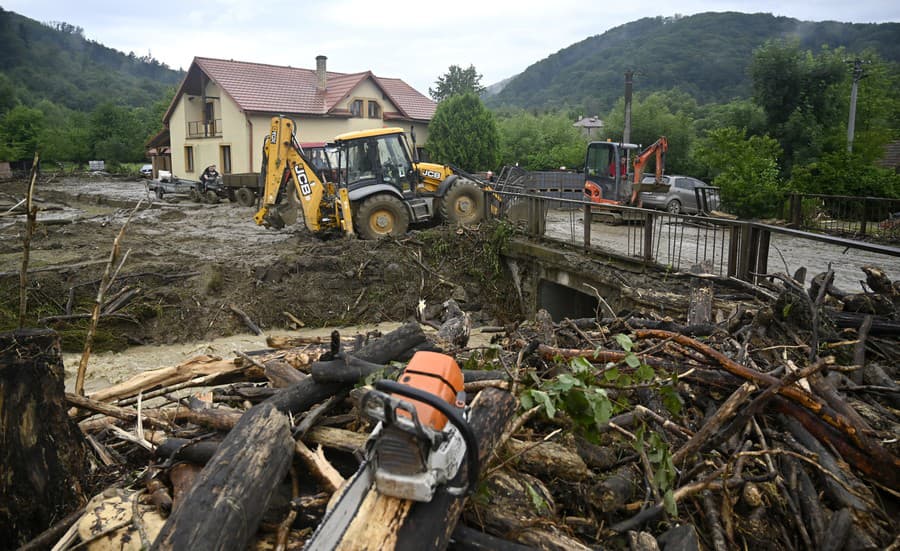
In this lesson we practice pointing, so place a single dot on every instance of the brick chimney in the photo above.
(321, 78)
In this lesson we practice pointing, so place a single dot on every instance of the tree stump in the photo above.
(42, 455)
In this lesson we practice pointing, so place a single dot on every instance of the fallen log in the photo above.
(881, 326)
(235, 487)
(548, 460)
(201, 451)
(197, 366)
(302, 395)
(246, 319)
(282, 374)
(352, 370)
(384, 522)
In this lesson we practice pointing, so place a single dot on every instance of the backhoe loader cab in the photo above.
(375, 158)
(389, 190)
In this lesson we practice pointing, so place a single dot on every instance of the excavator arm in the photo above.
(657, 150)
(289, 178)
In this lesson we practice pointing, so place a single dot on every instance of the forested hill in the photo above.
(706, 55)
(54, 61)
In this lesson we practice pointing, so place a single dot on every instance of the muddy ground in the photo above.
(188, 263)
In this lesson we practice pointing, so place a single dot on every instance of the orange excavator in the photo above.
(607, 178)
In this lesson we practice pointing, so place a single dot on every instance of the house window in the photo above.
(225, 155)
(188, 158)
(374, 110)
(356, 107)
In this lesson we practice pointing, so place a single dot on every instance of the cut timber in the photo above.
(42, 452)
(223, 509)
(282, 374)
(197, 366)
(384, 522)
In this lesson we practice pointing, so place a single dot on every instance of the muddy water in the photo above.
(109, 368)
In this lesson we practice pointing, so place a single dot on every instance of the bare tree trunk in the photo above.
(42, 455)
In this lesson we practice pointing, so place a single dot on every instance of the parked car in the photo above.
(169, 184)
(681, 197)
(147, 171)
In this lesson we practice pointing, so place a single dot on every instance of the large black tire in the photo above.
(380, 216)
(463, 204)
(210, 197)
(195, 195)
(245, 197)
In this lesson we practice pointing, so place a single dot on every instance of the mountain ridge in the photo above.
(663, 52)
(54, 61)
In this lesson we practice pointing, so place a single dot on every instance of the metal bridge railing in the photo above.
(727, 248)
(874, 218)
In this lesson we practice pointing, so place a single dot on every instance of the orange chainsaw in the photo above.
(417, 448)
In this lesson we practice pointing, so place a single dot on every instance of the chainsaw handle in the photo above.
(453, 416)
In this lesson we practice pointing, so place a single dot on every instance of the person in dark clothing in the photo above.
(209, 175)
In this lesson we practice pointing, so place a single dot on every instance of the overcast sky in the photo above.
(416, 41)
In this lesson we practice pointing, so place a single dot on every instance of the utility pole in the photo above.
(626, 135)
(851, 124)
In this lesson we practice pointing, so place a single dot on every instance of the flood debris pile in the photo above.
(775, 428)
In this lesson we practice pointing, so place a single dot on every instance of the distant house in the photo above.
(591, 126)
(222, 111)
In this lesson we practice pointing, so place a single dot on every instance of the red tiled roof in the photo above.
(277, 89)
(405, 97)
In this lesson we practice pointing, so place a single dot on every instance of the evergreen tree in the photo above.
(456, 81)
(464, 132)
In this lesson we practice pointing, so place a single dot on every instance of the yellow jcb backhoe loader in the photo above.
(380, 189)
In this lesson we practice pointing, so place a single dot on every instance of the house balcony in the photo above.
(204, 129)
